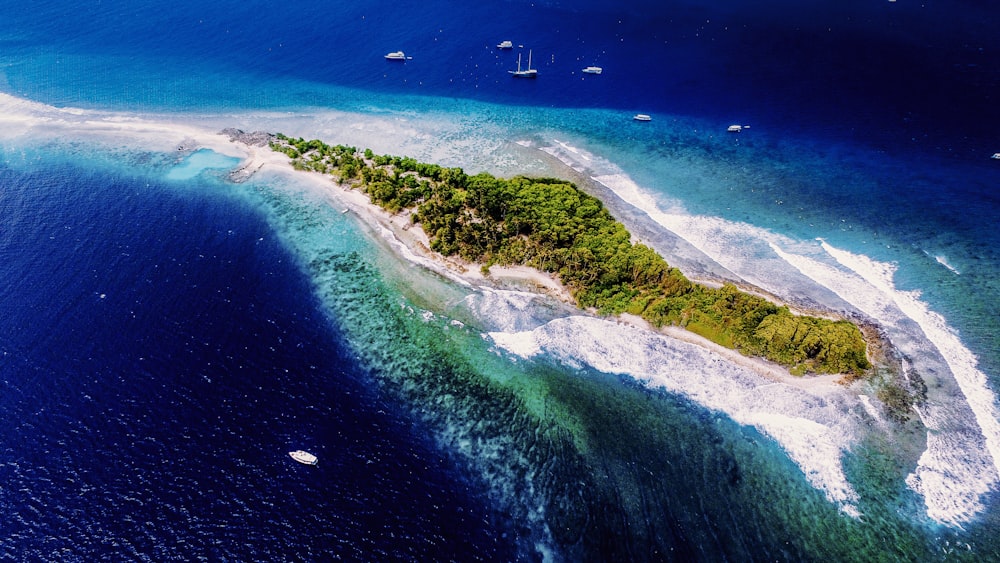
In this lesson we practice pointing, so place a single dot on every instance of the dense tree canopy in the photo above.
(551, 225)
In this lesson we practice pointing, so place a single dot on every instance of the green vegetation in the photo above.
(551, 225)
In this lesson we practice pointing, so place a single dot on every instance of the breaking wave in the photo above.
(812, 425)
(960, 463)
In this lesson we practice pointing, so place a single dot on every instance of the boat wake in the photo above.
(943, 260)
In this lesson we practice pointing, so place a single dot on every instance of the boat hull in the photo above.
(304, 457)
(527, 73)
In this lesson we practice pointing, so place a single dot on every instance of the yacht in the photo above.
(529, 73)
(396, 56)
(642, 117)
(305, 457)
(505, 45)
(593, 70)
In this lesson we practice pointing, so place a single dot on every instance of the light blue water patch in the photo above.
(199, 161)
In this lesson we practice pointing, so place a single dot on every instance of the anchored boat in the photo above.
(528, 73)
(305, 457)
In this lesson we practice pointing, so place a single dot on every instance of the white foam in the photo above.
(961, 460)
(943, 260)
(748, 251)
(959, 464)
(522, 344)
(507, 310)
(812, 427)
(713, 237)
(955, 471)
(812, 446)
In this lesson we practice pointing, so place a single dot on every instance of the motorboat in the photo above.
(396, 56)
(642, 117)
(996, 156)
(528, 73)
(505, 45)
(304, 457)
(593, 70)
(734, 128)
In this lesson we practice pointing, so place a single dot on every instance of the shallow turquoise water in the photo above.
(199, 161)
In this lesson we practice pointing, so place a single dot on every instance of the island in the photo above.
(552, 226)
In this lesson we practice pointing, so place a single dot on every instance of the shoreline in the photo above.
(412, 238)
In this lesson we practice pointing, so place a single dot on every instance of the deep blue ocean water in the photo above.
(160, 358)
(867, 70)
(166, 338)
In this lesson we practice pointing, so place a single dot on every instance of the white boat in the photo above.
(734, 128)
(396, 56)
(505, 45)
(305, 457)
(642, 117)
(529, 73)
(593, 70)
(996, 156)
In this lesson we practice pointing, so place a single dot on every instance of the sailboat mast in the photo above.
(527, 73)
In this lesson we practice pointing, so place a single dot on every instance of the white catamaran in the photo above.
(304, 457)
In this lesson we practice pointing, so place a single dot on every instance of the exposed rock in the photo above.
(253, 138)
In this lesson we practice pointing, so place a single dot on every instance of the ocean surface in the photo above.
(168, 335)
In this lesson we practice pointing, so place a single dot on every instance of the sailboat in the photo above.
(529, 73)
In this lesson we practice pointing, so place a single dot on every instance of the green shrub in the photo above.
(551, 225)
